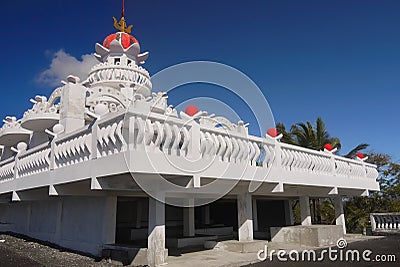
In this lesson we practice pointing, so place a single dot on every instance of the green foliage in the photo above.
(308, 135)
(352, 154)
(314, 137)
(296, 211)
(357, 209)
(327, 210)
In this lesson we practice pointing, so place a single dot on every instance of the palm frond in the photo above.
(355, 150)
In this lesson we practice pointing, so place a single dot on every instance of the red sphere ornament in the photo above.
(360, 155)
(328, 147)
(273, 132)
(191, 110)
(126, 39)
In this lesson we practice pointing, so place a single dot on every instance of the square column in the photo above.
(245, 217)
(289, 218)
(305, 212)
(72, 112)
(188, 221)
(109, 220)
(339, 213)
(156, 232)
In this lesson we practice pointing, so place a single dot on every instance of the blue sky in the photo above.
(336, 59)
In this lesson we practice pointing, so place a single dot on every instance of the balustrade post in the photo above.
(333, 164)
(16, 164)
(278, 154)
(194, 144)
(128, 132)
(365, 169)
(52, 157)
(373, 222)
(95, 128)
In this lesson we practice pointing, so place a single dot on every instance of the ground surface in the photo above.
(21, 251)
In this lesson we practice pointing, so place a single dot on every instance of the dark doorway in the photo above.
(270, 213)
(224, 212)
(132, 221)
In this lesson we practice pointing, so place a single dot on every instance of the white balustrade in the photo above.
(109, 137)
(108, 72)
(7, 169)
(158, 133)
(73, 148)
(300, 159)
(34, 161)
(385, 222)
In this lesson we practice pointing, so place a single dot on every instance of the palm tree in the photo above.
(306, 135)
(314, 137)
(287, 136)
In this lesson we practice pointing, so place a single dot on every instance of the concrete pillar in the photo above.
(255, 215)
(188, 221)
(305, 213)
(156, 233)
(72, 112)
(109, 220)
(206, 210)
(339, 212)
(289, 218)
(245, 217)
(139, 211)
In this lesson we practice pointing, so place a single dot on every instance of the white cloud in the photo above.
(62, 65)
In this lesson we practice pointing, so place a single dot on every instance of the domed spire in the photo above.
(119, 72)
(121, 42)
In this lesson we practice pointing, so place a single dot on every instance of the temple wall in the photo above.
(79, 223)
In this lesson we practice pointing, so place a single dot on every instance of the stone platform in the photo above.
(312, 235)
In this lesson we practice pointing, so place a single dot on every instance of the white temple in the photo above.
(105, 162)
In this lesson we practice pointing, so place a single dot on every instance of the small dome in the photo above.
(125, 39)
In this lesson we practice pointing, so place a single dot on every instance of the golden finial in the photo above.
(121, 25)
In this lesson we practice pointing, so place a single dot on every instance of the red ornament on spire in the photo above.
(360, 155)
(191, 110)
(126, 39)
(328, 147)
(273, 132)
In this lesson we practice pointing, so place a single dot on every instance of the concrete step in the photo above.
(125, 255)
(237, 246)
(182, 242)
